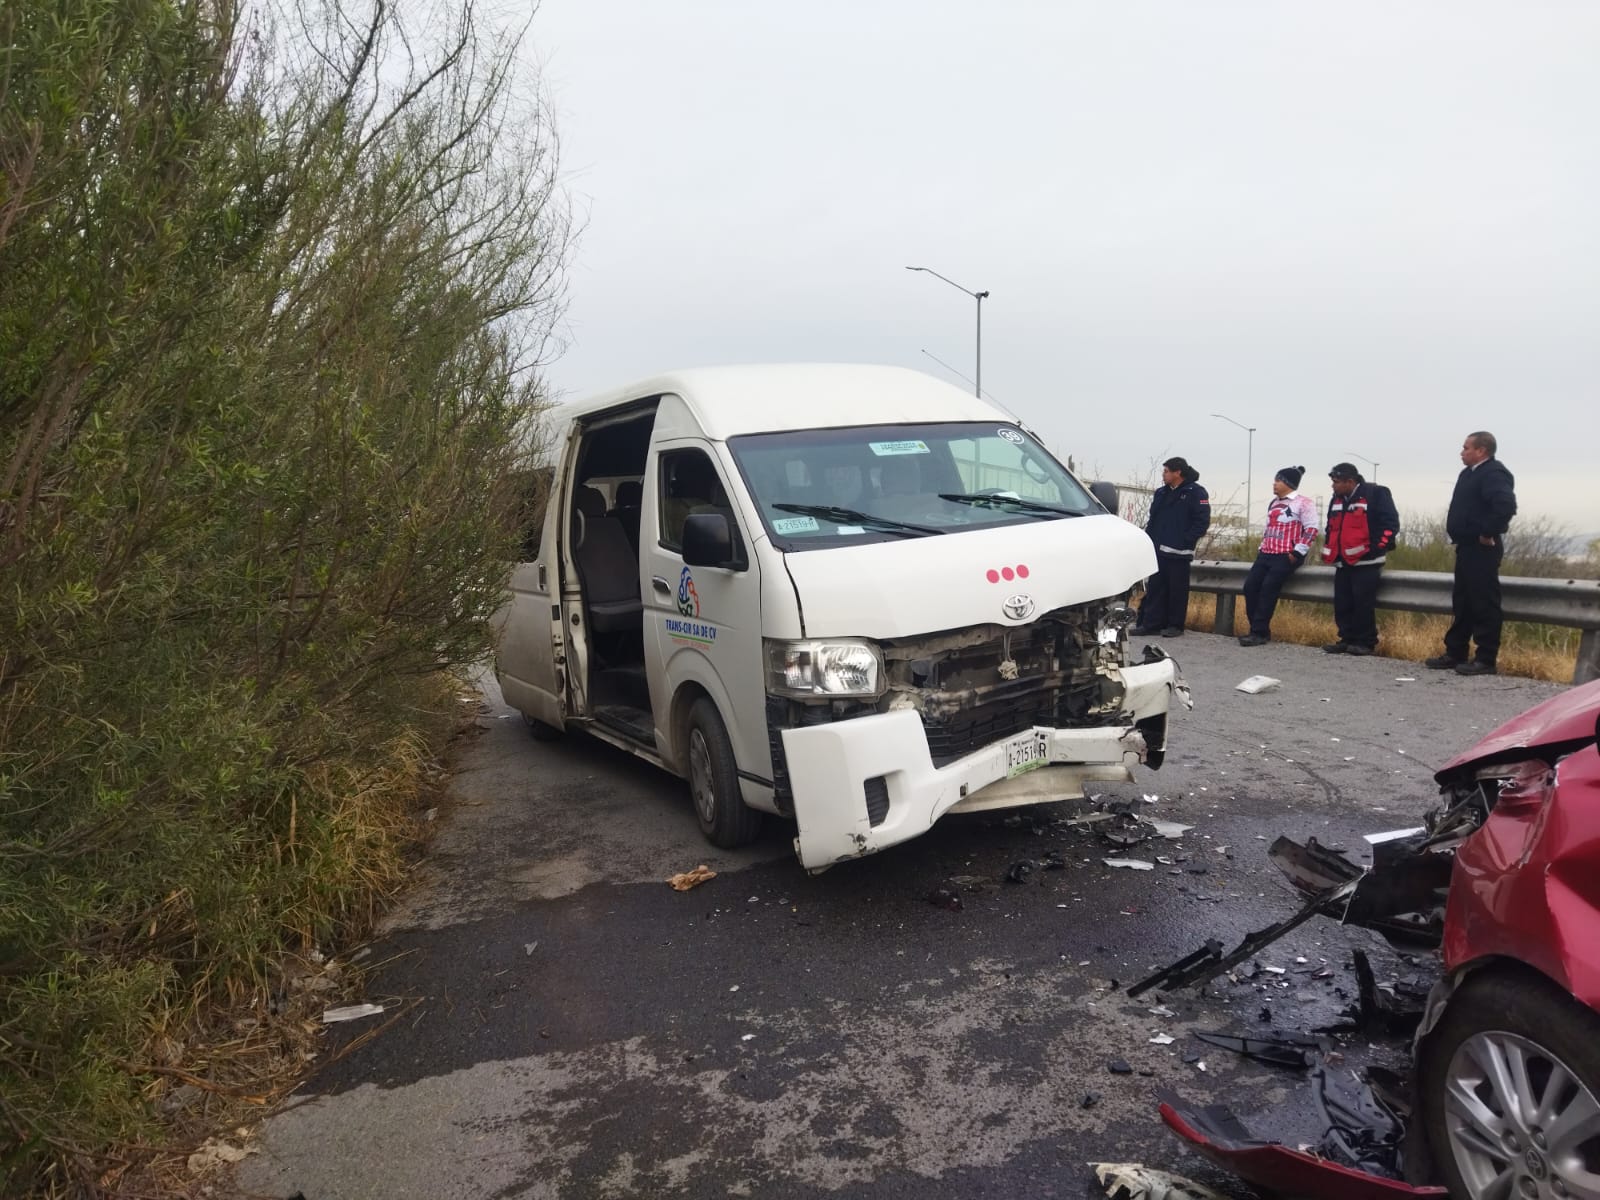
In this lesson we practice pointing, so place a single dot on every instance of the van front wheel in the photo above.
(724, 817)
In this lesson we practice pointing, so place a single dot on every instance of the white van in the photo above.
(853, 596)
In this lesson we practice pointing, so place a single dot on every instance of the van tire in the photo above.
(540, 732)
(719, 806)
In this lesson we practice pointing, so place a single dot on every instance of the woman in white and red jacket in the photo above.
(1291, 528)
(1362, 528)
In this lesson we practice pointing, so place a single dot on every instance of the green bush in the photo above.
(269, 336)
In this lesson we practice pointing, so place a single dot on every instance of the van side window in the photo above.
(689, 484)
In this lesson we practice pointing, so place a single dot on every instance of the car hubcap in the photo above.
(1520, 1123)
(705, 798)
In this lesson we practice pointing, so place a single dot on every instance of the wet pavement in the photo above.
(573, 1027)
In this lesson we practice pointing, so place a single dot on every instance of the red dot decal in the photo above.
(1007, 573)
(1022, 571)
(994, 576)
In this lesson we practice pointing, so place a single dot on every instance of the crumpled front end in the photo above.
(988, 717)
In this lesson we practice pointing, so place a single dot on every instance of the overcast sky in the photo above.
(1363, 228)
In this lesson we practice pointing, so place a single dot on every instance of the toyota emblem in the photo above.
(1018, 607)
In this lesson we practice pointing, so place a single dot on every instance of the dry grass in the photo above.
(1534, 651)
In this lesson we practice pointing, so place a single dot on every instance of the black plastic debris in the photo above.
(1054, 862)
(1090, 1099)
(1377, 1010)
(1019, 872)
(1298, 1051)
(1197, 968)
(1175, 974)
(945, 897)
(1118, 1067)
(1361, 1132)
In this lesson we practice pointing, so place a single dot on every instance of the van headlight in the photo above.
(1113, 621)
(809, 669)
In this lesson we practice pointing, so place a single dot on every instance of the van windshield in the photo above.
(817, 488)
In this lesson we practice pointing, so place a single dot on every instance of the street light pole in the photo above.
(1366, 460)
(980, 297)
(1249, 459)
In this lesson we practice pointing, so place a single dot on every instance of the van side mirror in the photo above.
(1106, 493)
(708, 541)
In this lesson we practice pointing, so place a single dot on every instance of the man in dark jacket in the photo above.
(1480, 513)
(1362, 527)
(1180, 514)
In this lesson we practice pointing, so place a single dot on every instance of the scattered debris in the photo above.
(1054, 862)
(1090, 1099)
(1019, 872)
(1162, 1039)
(1134, 1181)
(529, 947)
(1170, 830)
(946, 898)
(1135, 864)
(1258, 683)
(685, 880)
(1118, 1067)
(350, 1012)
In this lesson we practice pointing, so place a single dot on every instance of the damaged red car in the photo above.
(1508, 1055)
(1506, 1080)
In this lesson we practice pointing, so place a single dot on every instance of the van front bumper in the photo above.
(831, 768)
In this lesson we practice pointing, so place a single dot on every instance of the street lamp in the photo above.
(1366, 460)
(1249, 456)
(977, 387)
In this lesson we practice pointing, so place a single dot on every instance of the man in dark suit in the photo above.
(1481, 509)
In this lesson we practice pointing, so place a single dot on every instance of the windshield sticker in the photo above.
(849, 529)
(688, 597)
(884, 449)
(1011, 435)
(795, 525)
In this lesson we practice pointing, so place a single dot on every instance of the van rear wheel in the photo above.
(724, 817)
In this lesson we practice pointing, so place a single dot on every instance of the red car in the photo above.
(1508, 1059)
(1506, 1081)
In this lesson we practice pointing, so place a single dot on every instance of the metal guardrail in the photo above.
(1571, 603)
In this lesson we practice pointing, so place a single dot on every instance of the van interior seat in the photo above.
(630, 500)
(607, 564)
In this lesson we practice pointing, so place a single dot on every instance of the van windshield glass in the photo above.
(822, 487)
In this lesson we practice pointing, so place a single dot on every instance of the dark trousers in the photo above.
(1267, 576)
(1166, 593)
(1476, 601)
(1355, 604)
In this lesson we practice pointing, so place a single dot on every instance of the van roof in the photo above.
(771, 398)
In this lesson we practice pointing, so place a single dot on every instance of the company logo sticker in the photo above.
(688, 598)
(1018, 607)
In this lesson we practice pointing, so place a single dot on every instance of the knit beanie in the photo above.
(1291, 475)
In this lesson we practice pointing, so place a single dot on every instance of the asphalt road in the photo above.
(573, 1027)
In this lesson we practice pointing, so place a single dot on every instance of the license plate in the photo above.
(1027, 751)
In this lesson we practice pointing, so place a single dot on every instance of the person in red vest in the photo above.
(1363, 527)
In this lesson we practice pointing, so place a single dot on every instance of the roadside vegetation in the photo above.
(278, 278)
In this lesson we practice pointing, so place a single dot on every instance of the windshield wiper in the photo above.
(990, 498)
(850, 516)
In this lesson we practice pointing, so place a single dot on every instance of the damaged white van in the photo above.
(851, 596)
